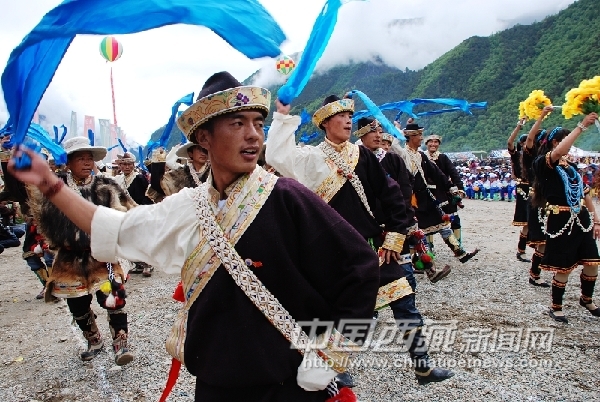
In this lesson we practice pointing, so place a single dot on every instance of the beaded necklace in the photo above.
(71, 182)
(573, 185)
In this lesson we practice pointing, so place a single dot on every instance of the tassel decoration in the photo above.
(106, 288)
(345, 395)
(110, 301)
(178, 293)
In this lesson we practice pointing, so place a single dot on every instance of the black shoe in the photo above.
(375, 315)
(540, 284)
(344, 380)
(439, 275)
(595, 312)
(558, 318)
(520, 257)
(434, 375)
(468, 256)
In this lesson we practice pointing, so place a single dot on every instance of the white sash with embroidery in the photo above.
(347, 171)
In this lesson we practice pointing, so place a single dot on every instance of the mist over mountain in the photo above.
(554, 55)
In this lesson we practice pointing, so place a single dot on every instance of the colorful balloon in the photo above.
(110, 48)
(285, 65)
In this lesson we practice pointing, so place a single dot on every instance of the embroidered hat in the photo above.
(387, 137)
(77, 144)
(365, 126)
(412, 129)
(182, 152)
(433, 137)
(331, 106)
(222, 94)
(126, 158)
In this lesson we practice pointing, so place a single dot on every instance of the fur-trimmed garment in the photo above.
(75, 272)
(164, 184)
(174, 180)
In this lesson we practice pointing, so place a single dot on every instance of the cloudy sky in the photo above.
(159, 66)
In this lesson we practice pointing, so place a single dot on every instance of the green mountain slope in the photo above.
(553, 55)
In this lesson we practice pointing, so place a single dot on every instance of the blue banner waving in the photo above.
(315, 46)
(244, 24)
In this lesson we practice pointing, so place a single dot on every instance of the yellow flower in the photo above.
(533, 105)
(577, 97)
(522, 113)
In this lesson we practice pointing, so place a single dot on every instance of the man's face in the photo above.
(433, 145)
(386, 145)
(338, 127)
(197, 155)
(414, 141)
(235, 142)
(126, 167)
(81, 164)
(372, 140)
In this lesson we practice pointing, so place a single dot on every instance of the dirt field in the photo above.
(485, 301)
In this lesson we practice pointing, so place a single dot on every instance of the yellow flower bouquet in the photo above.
(533, 105)
(584, 99)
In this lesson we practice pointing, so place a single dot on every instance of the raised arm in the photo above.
(282, 152)
(536, 127)
(305, 164)
(511, 140)
(565, 145)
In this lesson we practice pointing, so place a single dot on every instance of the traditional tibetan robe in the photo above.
(312, 167)
(75, 272)
(136, 185)
(304, 253)
(522, 190)
(445, 165)
(396, 169)
(427, 178)
(535, 234)
(568, 229)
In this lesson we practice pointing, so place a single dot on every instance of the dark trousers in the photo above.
(80, 306)
(405, 309)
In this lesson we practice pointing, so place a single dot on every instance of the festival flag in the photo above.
(89, 123)
(104, 134)
(73, 129)
(113, 141)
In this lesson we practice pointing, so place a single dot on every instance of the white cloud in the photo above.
(160, 66)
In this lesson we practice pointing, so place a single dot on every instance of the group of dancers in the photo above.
(330, 232)
(555, 211)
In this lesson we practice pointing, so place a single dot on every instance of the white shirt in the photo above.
(305, 164)
(162, 235)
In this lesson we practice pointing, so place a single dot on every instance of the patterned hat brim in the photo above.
(410, 133)
(223, 102)
(433, 137)
(331, 109)
(366, 129)
(387, 137)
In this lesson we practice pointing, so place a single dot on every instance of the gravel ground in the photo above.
(484, 320)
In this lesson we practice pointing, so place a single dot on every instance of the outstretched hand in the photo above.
(39, 174)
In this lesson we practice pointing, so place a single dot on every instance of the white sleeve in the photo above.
(305, 164)
(162, 234)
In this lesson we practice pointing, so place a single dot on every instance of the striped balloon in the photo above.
(110, 48)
